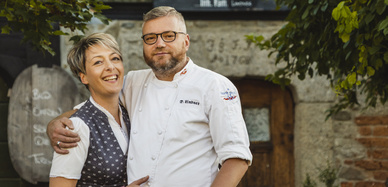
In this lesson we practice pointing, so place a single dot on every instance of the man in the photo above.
(186, 120)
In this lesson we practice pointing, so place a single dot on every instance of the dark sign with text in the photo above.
(220, 5)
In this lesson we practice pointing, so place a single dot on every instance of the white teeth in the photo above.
(113, 77)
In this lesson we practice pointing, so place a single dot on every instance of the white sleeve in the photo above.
(70, 165)
(79, 106)
(226, 123)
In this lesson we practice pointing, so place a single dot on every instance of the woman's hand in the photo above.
(138, 182)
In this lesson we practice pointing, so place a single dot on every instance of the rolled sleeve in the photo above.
(226, 123)
(70, 165)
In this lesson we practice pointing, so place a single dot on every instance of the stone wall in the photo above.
(367, 166)
(220, 46)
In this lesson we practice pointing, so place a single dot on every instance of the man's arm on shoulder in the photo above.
(57, 132)
(230, 173)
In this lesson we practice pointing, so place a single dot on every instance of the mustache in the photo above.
(160, 50)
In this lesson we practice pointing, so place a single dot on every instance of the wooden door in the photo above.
(269, 114)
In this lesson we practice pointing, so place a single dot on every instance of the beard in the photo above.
(165, 67)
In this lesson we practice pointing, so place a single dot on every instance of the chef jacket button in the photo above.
(159, 132)
(140, 109)
(145, 85)
(153, 157)
(131, 158)
(134, 132)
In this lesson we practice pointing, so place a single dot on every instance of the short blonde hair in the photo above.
(76, 57)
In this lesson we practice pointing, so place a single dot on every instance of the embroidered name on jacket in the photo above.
(189, 102)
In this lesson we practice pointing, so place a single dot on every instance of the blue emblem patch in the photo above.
(229, 95)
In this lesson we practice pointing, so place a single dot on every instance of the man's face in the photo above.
(166, 58)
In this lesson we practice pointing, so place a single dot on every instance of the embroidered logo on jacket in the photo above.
(229, 95)
(183, 72)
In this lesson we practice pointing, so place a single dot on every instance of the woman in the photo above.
(103, 125)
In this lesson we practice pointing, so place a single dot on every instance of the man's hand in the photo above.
(138, 182)
(60, 137)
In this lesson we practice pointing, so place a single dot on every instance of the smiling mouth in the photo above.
(111, 78)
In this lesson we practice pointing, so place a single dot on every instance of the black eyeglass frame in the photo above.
(160, 34)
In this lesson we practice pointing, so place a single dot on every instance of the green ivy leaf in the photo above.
(336, 14)
(6, 29)
(386, 57)
(383, 24)
(380, 7)
(101, 17)
(345, 37)
(76, 38)
(306, 13)
(374, 49)
(379, 64)
(341, 4)
(370, 71)
(325, 5)
(59, 32)
(369, 18)
(344, 13)
(269, 77)
(352, 78)
(301, 76)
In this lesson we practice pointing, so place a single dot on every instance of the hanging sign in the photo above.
(219, 5)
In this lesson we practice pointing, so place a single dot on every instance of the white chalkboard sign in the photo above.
(38, 95)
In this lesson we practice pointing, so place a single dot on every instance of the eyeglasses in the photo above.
(167, 36)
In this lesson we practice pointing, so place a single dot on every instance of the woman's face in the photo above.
(104, 71)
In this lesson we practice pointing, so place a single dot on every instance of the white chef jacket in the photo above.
(70, 165)
(181, 130)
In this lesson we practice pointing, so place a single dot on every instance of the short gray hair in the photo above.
(163, 11)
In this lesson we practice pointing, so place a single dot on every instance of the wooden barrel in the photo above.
(38, 96)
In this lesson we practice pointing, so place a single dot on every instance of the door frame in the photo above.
(255, 92)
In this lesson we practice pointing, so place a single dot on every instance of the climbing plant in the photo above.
(344, 41)
(35, 19)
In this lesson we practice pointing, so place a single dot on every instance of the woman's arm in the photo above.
(67, 168)
(62, 182)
